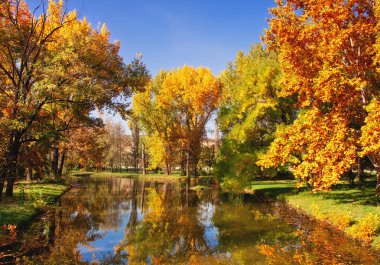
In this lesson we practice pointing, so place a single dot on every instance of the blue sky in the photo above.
(171, 33)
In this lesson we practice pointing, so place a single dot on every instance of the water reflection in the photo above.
(125, 221)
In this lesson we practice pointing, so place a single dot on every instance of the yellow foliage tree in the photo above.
(174, 111)
(191, 93)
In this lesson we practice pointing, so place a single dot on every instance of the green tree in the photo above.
(250, 111)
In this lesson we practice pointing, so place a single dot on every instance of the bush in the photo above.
(365, 229)
(316, 212)
(341, 220)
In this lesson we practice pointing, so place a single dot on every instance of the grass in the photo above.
(156, 177)
(28, 201)
(199, 188)
(342, 201)
(273, 188)
(147, 177)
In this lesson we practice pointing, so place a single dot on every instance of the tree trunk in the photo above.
(29, 174)
(375, 160)
(11, 181)
(54, 161)
(183, 162)
(143, 162)
(195, 162)
(188, 164)
(166, 169)
(11, 163)
(359, 172)
(61, 163)
(1, 188)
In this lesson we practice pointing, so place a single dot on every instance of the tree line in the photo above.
(308, 100)
(305, 101)
(55, 70)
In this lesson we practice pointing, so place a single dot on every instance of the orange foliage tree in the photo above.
(326, 52)
(54, 70)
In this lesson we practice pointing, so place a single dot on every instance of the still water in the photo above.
(127, 221)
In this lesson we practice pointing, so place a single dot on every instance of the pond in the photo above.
(127, 221)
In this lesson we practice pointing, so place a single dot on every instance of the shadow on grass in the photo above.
(277, 192)
(84, 174)
(346, 194)
(354, 196)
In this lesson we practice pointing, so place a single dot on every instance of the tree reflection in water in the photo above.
(124, 221)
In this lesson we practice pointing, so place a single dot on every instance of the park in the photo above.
(174, 154)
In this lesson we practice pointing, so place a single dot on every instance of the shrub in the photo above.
(365, 229)
(316, 212)
(341, 220)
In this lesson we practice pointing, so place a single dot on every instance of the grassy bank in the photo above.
(28, 201)
(352, 210)
(147, 177)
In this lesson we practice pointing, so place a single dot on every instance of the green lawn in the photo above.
(28, 200)
(273, 188)
(341, 202)
(149, 176)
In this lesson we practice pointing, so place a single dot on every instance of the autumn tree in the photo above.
(192, 93)
(54, 70)
(118, 145)
(174, 111)
(135, 134)
(250, 111)
(160, 125)
(371, 130)
(88, 147)
(326, 54)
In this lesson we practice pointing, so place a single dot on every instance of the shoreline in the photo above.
(346, 210)
(30, 200)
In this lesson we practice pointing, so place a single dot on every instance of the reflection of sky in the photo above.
(206, 211)
(104, 246)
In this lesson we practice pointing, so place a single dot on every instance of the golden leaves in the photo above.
(326, 54)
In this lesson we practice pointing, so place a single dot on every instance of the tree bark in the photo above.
(195, 163)
(11, 180)
(1, 189)
(54, 162)
(182, 162)
(375, 160)
(188, 164)
(61, 163)
(143, 162)
(359, 172)
(10, 168)
(29, 174)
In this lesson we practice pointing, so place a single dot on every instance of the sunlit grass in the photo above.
(149, 176)
(354, 202)
(27, 201)
(273, 188)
